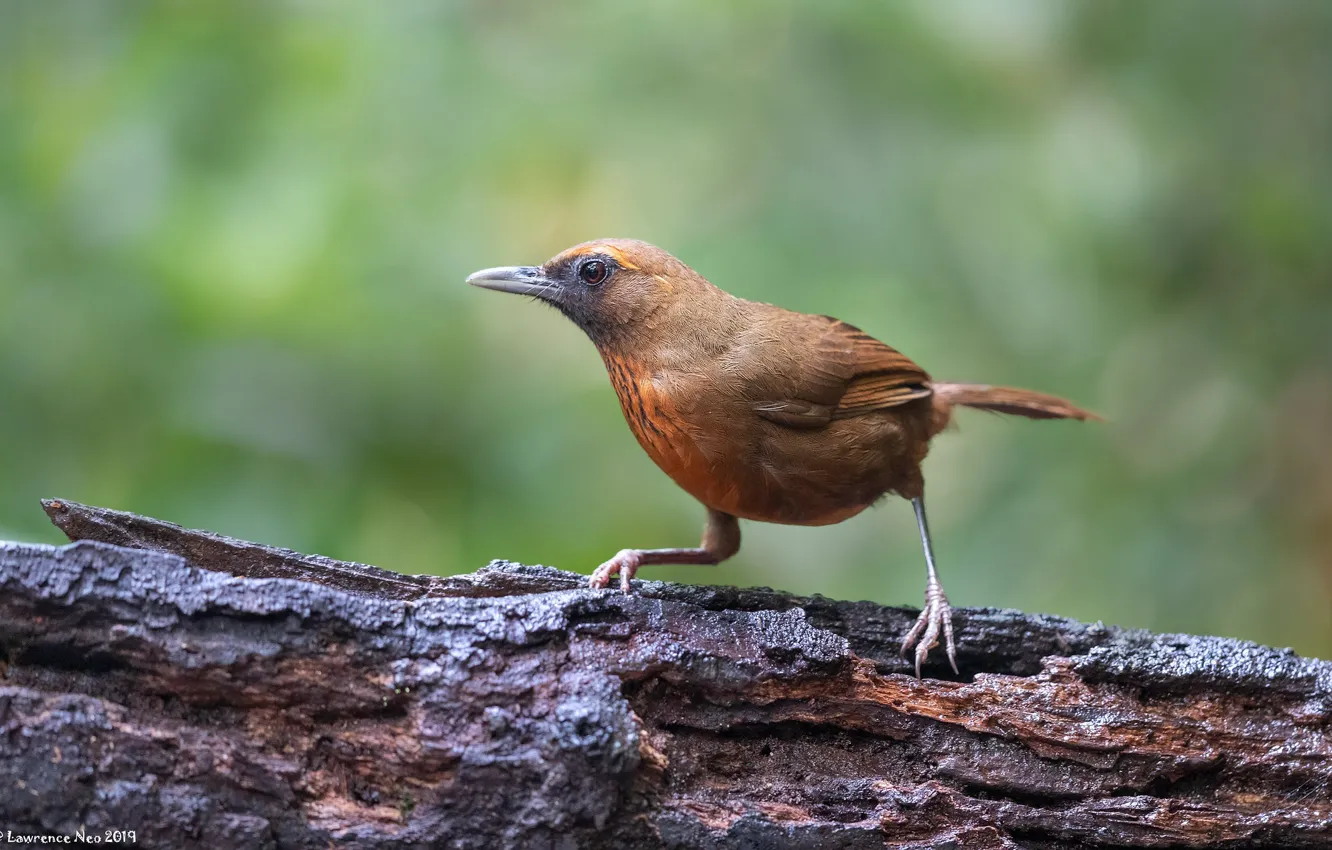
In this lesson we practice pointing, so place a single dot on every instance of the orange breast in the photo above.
(721, 480)
(656, 424)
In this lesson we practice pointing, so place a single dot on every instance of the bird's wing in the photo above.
(832, 370)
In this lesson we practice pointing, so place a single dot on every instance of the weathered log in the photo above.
(204, 691)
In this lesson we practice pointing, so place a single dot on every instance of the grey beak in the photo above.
(519, 280)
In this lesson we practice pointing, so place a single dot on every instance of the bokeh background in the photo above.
(233, 237)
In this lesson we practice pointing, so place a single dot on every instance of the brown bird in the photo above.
(758, 412)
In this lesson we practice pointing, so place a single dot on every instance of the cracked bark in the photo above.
(211, 692)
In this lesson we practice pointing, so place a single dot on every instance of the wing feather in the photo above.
(835, 371)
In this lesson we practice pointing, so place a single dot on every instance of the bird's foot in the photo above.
(626, 562)
(935, 617)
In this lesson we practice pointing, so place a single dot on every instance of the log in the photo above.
(209, 692)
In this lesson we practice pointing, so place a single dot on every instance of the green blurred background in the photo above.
(233, 237)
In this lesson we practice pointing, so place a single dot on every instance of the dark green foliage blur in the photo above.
(233, 237)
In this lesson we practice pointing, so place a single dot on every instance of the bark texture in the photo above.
(210, 692)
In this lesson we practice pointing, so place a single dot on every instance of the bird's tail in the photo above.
(1028, 403)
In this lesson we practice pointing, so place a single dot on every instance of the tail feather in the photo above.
(1028, 403)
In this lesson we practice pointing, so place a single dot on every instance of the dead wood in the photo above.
(208, 692)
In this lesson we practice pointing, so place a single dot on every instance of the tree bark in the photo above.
(204, 691)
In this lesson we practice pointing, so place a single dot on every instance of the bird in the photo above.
(758, 412)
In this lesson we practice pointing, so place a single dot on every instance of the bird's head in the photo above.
(607, 287)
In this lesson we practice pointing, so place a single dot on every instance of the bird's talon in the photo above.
(935, 618)
(601, 576)
(625, 564)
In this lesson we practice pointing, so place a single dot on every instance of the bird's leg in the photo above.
(721, 540)
(936, 615)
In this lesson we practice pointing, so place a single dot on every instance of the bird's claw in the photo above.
(935, 617)
(626, 562)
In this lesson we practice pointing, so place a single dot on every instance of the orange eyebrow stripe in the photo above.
(620, 258)
(614, 253)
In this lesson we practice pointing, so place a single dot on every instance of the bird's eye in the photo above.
(593, 272)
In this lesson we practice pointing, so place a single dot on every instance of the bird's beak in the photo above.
(519, 280)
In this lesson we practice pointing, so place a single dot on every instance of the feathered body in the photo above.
(778, 446)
